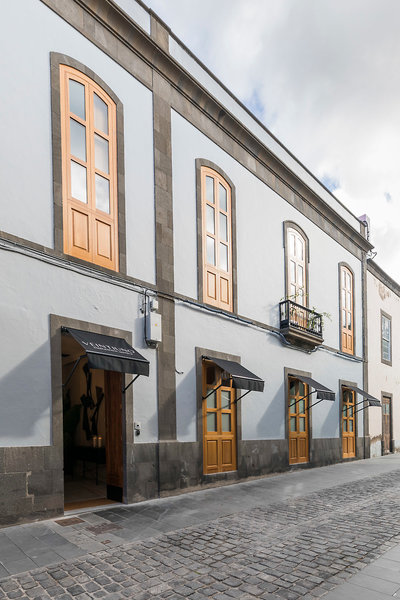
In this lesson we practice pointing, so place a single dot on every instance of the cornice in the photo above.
(111, 17)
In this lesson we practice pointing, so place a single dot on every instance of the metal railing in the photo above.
(300, 317)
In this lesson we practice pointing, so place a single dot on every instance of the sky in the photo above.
(324, 77)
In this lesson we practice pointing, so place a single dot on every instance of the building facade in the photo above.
(383, 298)
(145, 197)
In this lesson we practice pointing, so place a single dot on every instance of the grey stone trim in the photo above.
(340, 265)
(159, 32)
(292, 225)
(56, 323)
(108, 28)
(383, 277)
(199, 353)
(56, 60)
(164, 257)
(343, 383)
(202, 162)
(389, 317)
(287, 371)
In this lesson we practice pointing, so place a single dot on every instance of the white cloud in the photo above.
(325, 78)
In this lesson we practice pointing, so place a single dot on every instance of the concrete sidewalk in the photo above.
(299, 534)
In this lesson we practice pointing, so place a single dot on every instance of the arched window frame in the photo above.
(60, 224)
(347, 341)
(289, 226)
(203, 168)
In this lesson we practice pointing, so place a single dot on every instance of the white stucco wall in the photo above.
(382, 377)
(260, 214)
(26, 202)
(263, 414)
(25, 375)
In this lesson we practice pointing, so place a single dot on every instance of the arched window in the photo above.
(216, 203)
(89, 163)
(296, 266)
(346, 310)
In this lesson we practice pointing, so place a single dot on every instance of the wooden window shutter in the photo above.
(89, 163)
(346, 310)
(216, 201)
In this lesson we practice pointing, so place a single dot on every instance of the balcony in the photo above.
(301, 326)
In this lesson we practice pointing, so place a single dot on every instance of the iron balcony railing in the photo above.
(300, 317)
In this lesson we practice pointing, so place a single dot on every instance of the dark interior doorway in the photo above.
(92, 431)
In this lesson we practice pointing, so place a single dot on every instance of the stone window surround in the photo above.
(389, 317)
(340, 265)
(202, 162)
(57, 59)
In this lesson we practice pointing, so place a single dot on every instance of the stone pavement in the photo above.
(298, 535)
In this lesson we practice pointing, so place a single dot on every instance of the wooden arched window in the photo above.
(216, 203)
(346, 310)
(89, 163)
(296, 266)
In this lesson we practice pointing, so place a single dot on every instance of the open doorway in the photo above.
(92, 431)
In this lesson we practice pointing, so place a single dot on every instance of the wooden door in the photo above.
(219, 421)
(348, 424)
(298, 422)
(114, 439)
(386, 425)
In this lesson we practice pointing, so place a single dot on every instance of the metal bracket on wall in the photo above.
(240, 397)
(129, 384)
(78, 360)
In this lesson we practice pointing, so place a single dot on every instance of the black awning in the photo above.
(372, 401)
(323, 393)
(242, 378)
(110, 353)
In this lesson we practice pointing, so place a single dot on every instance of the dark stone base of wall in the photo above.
(31, 484)
(31, 479)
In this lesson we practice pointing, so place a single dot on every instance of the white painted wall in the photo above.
(33, 291)
(263, 414)
(381, 377)
(26, 202)
(260, 253)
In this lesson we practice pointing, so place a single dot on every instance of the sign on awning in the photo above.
(110, 353)
(323, 393)
(372, 401)
(242, 378)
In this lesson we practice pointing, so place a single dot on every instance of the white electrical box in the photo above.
(153, 328)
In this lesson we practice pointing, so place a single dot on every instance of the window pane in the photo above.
(291, 245)
(100, 109)
(351, 411)
(77, 99)
(292, 389)
(78, 139)
(211, 376)
(344, 410)
(211, 400)
(102, 193)
(210, 212)
(223, 227)
(349, 321)
(101, 153)
(344, 299)
(78, 182)
(302, 423)
(226, 421)
(344, 318)
(385, 350)
(293, 292)
(351, 425)
(348, 300)
(223, 257)
(300, 275)
(210, 251)
(302, 389)
(210, 189)
(344, 425)
(211, 421)
(300, 248)
(225, 399)
(223, 202)
(292, 423)
(348, 281)
(292, 271)
(301, 405)
(343, 278)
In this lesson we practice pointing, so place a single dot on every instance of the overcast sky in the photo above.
(324, 77)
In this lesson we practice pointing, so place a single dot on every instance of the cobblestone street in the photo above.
(300, 547)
